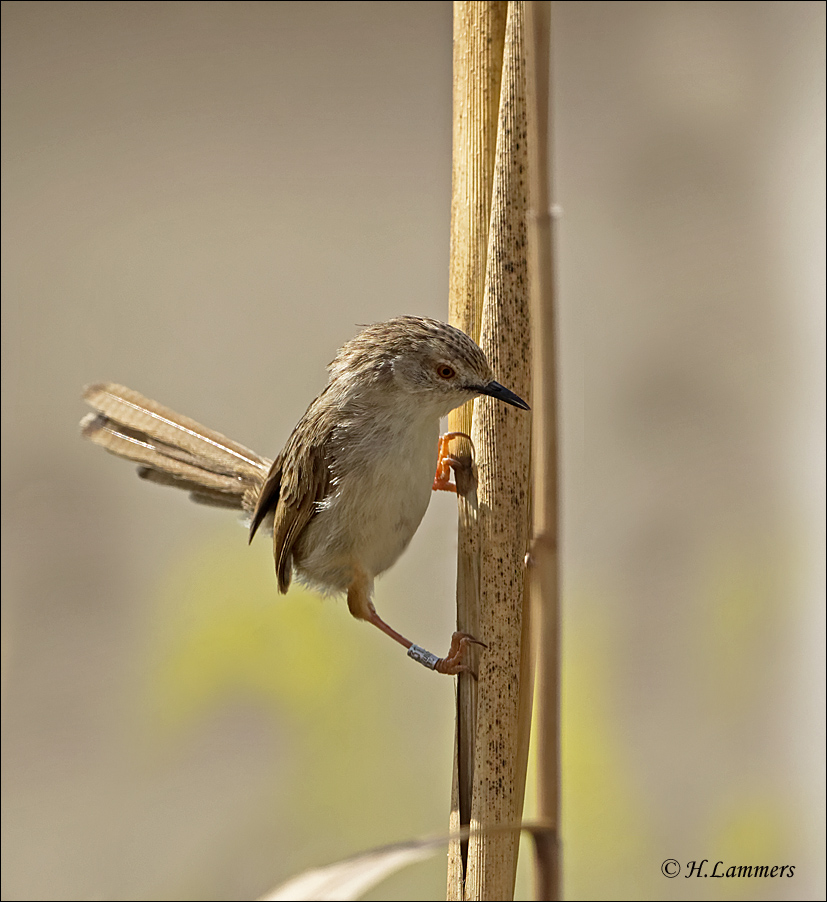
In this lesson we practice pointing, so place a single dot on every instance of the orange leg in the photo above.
(442, 480)
(360, 605)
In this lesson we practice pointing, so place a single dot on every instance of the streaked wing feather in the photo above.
(298, 480)
(268, 497)
(296, 508)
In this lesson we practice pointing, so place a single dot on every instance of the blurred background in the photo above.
(202, 201)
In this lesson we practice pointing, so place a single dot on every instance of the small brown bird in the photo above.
(350, 487)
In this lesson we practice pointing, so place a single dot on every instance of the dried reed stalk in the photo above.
(479, 36)
(543, 561)
(502, 439)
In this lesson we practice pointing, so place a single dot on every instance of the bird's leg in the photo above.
(442, 480)
(361, 607)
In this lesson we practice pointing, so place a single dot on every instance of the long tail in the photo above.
(173, 450)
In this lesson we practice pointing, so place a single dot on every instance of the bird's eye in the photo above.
(445, 371)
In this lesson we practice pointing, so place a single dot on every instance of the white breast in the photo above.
(382, 485)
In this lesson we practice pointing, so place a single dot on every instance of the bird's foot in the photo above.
(454, 662)
(446, 462)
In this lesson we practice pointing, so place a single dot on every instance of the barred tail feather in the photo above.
(172, 449)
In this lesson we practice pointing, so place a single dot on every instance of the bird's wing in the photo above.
(298, 481)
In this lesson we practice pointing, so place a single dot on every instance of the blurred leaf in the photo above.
(350, 878)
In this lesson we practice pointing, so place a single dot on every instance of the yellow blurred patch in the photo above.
(223, 629)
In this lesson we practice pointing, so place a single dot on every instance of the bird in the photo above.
(350, 487)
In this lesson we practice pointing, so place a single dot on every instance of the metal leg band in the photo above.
(425, 658)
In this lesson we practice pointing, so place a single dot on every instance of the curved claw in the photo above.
(446, 462)
(453, 662)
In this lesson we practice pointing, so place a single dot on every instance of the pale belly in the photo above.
(379, 500)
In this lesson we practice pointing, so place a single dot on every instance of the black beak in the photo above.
(501, 393)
